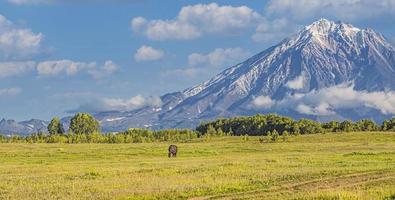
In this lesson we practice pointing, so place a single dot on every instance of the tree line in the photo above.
(263, 125)
(84, 128)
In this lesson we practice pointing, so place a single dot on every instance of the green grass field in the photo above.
(330, 166)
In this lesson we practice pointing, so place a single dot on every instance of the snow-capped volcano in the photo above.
(302, 76)
(322, 55)
(328, 70)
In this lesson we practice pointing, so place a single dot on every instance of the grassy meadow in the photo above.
(319, 166)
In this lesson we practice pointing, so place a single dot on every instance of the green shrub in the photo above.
(274, 136)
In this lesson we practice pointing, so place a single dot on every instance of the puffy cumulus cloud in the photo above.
(62, 67)
(167, 30)
(10, 92)
(138, 23)
(118, 104)
(57, 68)
(215, 18)
(69, 68)
(297, 83)
(217, 58)
(338, 9)
(195, 20)
(18, 43)
(326, 101)
(147, 53)
(8, 69)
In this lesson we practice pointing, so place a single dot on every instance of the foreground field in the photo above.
(331, 166)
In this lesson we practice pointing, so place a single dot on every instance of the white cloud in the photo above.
(338, 9)
(118, 104)
(69, 68)
(57, 68)
(10, 92)
(138, 23)
(326, 101)
(8, 69)
(18, 43)
(217, 58)
(62, 67)
(133, 103)
(215, 18)
(147, 53)
(297, 83)
(195, 20)
(322, 109)
(263, 102)
(167, 30)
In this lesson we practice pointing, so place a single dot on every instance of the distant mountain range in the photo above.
(25, 127)
(328, 70)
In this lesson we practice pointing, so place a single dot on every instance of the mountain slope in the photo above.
(322, 55)
(25, 127)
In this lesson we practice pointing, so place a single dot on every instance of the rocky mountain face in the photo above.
(318, 73)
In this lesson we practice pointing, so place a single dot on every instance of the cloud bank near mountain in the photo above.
(118, 104)
(326, 101)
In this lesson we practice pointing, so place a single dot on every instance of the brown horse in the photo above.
(172, 151)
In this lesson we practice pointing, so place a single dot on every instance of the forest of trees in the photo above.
(261, 125)
(129, 136)
(85, 129)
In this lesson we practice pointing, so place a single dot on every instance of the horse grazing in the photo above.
(172, 151)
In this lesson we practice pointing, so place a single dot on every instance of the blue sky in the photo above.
(59, 57)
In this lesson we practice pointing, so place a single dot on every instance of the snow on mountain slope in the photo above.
(25, 127)
(322, 55)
